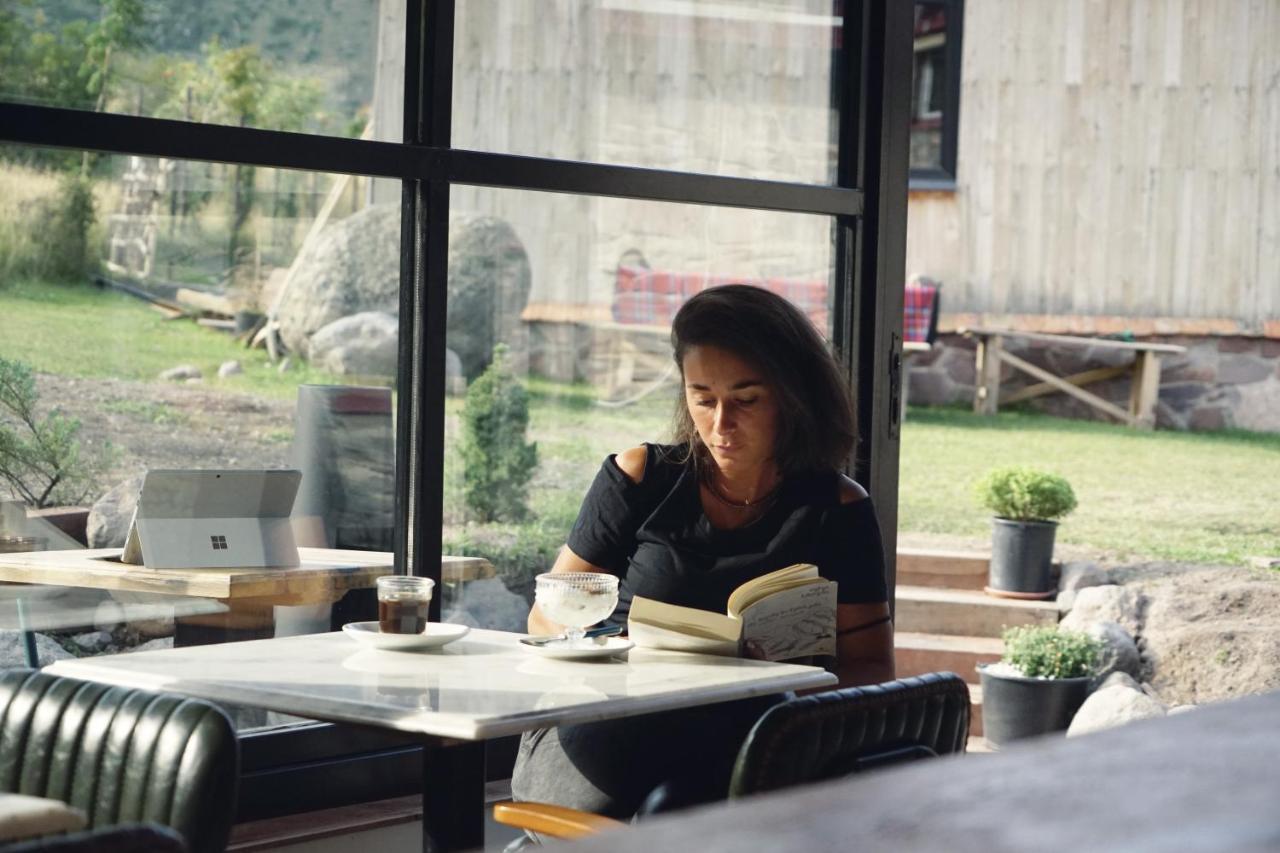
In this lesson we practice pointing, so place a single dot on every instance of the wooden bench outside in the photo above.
(1144, 371)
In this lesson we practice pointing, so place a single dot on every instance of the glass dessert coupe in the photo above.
(576, 600)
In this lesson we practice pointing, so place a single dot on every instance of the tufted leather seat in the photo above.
(805, 739)
(121, 755)
(839, 732)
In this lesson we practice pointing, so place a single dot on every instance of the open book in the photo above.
(789, 613)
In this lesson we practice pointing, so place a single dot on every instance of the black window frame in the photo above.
(319, 765)
(943, 176)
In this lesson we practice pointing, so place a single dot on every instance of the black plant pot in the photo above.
(1014, 707)
(1022, 558)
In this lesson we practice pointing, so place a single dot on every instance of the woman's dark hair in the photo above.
(816, 426)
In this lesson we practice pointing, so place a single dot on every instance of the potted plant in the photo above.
(1026, 503)
(1039, 684)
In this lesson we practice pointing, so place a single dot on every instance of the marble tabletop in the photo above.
(483, 686)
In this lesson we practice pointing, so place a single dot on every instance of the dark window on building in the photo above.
(935, 93)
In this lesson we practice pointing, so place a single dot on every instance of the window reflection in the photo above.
(578, 293)
(166, 314)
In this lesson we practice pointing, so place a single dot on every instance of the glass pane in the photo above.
(929, 85)
(580, 292)
(276, 64)
(134, 308)
(741, 88)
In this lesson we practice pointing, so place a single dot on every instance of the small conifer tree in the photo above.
(497, 462)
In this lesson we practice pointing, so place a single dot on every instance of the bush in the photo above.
(497, 464)
(40, 458)
(45, 225)
(518, 553)
(1043, 651)
(1025, 494)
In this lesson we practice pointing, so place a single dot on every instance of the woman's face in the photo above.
(734, 410)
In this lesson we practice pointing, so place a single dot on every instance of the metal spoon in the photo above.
(598, 634)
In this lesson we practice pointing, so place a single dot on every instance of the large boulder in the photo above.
(489, 282)
(1108, 603)
(108, 523)
(1113, 706)
(363, 344)
(352, 268)
(1119, 651)
(355, 268)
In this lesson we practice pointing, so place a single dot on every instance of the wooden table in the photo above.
(483, 686)
(1144, 371)
(249, 595)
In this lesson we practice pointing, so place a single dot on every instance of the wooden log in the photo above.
(986, 393)
(1142, 346)
(211, 303)
(214, 323)
(1067, 388)
(1145, 390)
(1087, 377)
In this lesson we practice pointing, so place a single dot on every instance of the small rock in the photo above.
(1107, 603)
(195, 380)
(1121, 679)
(93, 641)
(158, 643)
(1119, 653)
(182, 372)
(230, 368)
(1181, 709)
(1113, 706)
(1077, 576)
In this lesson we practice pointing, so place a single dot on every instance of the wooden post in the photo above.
(986, 391)
(1145, 389)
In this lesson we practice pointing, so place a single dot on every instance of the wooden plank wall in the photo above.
(1115, 157)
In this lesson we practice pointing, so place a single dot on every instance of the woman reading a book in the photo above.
(750, 484)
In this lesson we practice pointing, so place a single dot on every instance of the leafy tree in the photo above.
(497, 464)
(41, 458)
(117, 29)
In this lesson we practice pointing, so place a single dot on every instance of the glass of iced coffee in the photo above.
(403, 602)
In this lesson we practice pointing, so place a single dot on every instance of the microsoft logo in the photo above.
(219, 542)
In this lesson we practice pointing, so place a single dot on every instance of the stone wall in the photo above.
(1219, 383)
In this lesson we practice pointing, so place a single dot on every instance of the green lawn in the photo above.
(80, 330)
(1200, 497)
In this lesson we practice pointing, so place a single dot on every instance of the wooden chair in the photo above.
(807, 739)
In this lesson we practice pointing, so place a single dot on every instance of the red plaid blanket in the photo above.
(652, 297)
(919, 303)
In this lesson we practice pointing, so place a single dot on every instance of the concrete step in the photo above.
(942, 568)
(975, 710)
(915, 653)
(931, 610)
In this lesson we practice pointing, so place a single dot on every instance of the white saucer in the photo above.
(437, 634)
(610, 647)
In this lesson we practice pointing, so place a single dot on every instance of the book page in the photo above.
(765, 585)
(680, 639)
(795, 622)
(658, 625)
